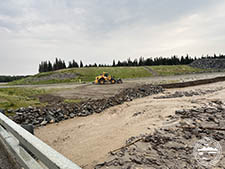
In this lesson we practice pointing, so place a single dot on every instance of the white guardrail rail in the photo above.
(19, 142)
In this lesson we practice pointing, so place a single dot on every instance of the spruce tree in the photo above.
(63, 65)
(81, 64)
(114, 64)
(70, 65)
(75, 64)
(49, 66)
(141, 61)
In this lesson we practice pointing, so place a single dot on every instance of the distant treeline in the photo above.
(47, 66)
(10, 78)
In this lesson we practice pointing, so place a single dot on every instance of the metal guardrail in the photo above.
(18, 140)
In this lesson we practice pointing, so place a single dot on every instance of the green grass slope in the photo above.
(12, 98)
(166, 70)
(89, 74)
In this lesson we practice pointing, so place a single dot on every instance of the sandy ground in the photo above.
(88, 140)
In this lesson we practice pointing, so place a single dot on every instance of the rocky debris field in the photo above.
(188, 93)
(209, 64)
(62, 111)
(172, 145)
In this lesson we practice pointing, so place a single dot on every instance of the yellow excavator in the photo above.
(105, 77)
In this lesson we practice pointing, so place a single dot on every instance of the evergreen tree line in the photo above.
(47, 66)
(10, 78)
(174, 60)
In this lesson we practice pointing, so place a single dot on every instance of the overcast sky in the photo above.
(99, 31)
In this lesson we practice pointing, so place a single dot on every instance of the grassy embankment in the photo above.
(13, 98)
(176, 70)
(89, 74)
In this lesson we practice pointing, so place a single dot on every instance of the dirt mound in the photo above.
(209, 64)
(57, 76)
(54, 76)
(62, 111)
(48, 98)
(172, 146)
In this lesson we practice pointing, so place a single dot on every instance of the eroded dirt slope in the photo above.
(88, 140)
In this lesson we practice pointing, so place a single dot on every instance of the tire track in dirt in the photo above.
(154, 73)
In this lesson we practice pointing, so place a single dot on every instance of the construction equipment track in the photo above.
(193, 83)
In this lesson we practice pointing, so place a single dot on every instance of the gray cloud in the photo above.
(97, 30)
(95, 15)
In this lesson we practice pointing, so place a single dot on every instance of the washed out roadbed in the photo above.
(173, 146)
(126, 114)
(59, 111)
(89, 140)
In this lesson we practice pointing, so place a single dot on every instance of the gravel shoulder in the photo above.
(88, 140)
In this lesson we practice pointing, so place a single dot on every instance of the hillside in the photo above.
(209, 64)
(89, 74)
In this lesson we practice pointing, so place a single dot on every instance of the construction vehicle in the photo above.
(105, 77)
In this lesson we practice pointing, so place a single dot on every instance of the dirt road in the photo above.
(84, 91)
(88, 90)
(88, 140)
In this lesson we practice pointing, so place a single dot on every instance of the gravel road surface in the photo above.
(155, 79)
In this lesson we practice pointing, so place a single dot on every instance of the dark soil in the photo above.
(50, 99)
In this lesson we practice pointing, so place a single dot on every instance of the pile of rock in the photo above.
(54, 76)
(172, 147)
(63, 111)
(209, 63)
(187, 93)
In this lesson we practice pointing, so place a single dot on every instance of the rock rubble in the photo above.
(172, 147)
(187, 93)
(209, 64)
(62, 111)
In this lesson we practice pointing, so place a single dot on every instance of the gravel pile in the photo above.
(172, 146)
(55, 76)
(187, 93)
(63, 111)
(209, 64)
